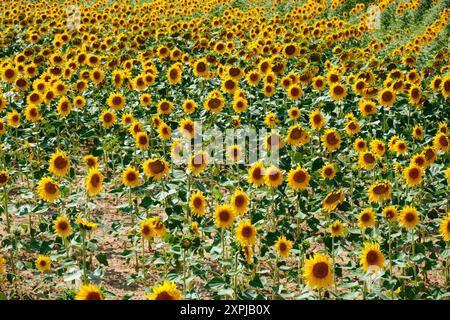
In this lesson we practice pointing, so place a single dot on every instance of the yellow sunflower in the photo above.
(43, 263)
(298, 178)
(90, 161)
(4, 178)
(224, 216)
(391, 213)
(94, 182)
(48, 190)
(371, 257)
(332, 200)
(166, 291)
(256, 174)
(337, 229)
(413, 175)
(409, 217)
(316, 120)
(318, 271)
(59, 164)
(130, 177)
(197, 204)
(156, 168)
(273, 177)
(444, 227)
(245, 233)
(62, 227)
(380, 191)
(197, 163)
(283, 246)
(367, 218)
(328, 171)
(89, 292)
(331, 140)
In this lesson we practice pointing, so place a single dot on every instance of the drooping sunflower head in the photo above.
(318, 271)
(86, 225)
(332, 200)
(62, 227)
(89, 292)
(246, 233)
(43, 263)
(409, 217)
(224, 216)
(371, 258)
(166, 291)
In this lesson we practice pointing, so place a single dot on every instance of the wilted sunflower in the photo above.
(332, 200)
(256, 174)
(318, 271)
(248, 254)
(298, 178)
(156, 168)
(246, 233)
(43, 263)
(444, 227)
(130, 177)
(331, 140)
(59, 164)
(224, 216)
(380, 191)
(409, 217)
(94, 182)
(89, 292)
(371, 257)
(197, 204)
(367, 218)
(337, 229)
(48, 190)
(328, 171)
(62, 227)
(166, 291)
(283, 246)
(239, 201)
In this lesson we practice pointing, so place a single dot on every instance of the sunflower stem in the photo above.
(83, 248)
(390, 258)
(5, 203)
(184, 271)
(143, 257)
(413, 251)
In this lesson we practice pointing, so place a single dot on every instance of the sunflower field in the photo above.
(107, 193)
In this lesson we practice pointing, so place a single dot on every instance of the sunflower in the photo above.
(318, 271)
(94, 182)
(189, 106)
(283, 246)
(377, 147)
(239, 201)
(271, 120)
(296, 135)
(352, 127)
(409, 217)
(256, 174)
(147, 229)
(142, 140)
(164, 107)
(294, 92)
(229, 85)
(89, 292)
(4, 178)
(158, 227)
(253, 77)
(391, 213)
(298, 178)
(447, 175)
(214, 102)
(441, 142)
(419, 160)
(360, 145)
(430, 154)
(444, 227)
(64, 107)
(371, 257)
(116, 101)
(13, 119)
(48, 190)
(166, 291)
(367, 107)
(413, 175)
(224, 216)
(187, 128)
(145, 99)
(86, 225)
(197, 163)
(197, 204)
(248, 254)
(319, 83)
(316, 120)
(400, 147)
(201, 68)
(294, 113)
(32, 113)
(445, 86)
(43, 263)
(90, 161)
(135, 128)
(240, 105)
(338, 91)
(367, 218)
(386, 97)
(337, 229)
(332, 200)
(2, 127)
(59, 164)
(174, 74)
(245, 233)
(328, 171)
(62, 227)
(273, 176)
(273, 141)
(130, 177)
(156, 168)
(380, 191)
(108, 119)
(79, 102)
(331, 140)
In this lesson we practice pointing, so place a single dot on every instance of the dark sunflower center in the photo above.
(3, 178)
(93, 296)
(117, 101)
(332, 139)
(380, 189)
(338, 90)
(198, 202)
(63, 225)
(164, 296)
(95, 180)
(239, 201)
(410, 217)
(300, 177)
(60, 162)
(257, 174)
(224, 215)
(131, 176)
(414, 173)
(372, 257)
(157, 166)
(214, 103)
(50, 188)
(387, 96)
(247, 232)
(320, 270)
(369, 158)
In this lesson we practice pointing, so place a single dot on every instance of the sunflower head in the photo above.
(62, 227)
(318, 271)
(224, 216)
(89, 292)
(43, 263)
(246, 233)
(283, 246)
(165, 291)
(409, 217)
(371, 258)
